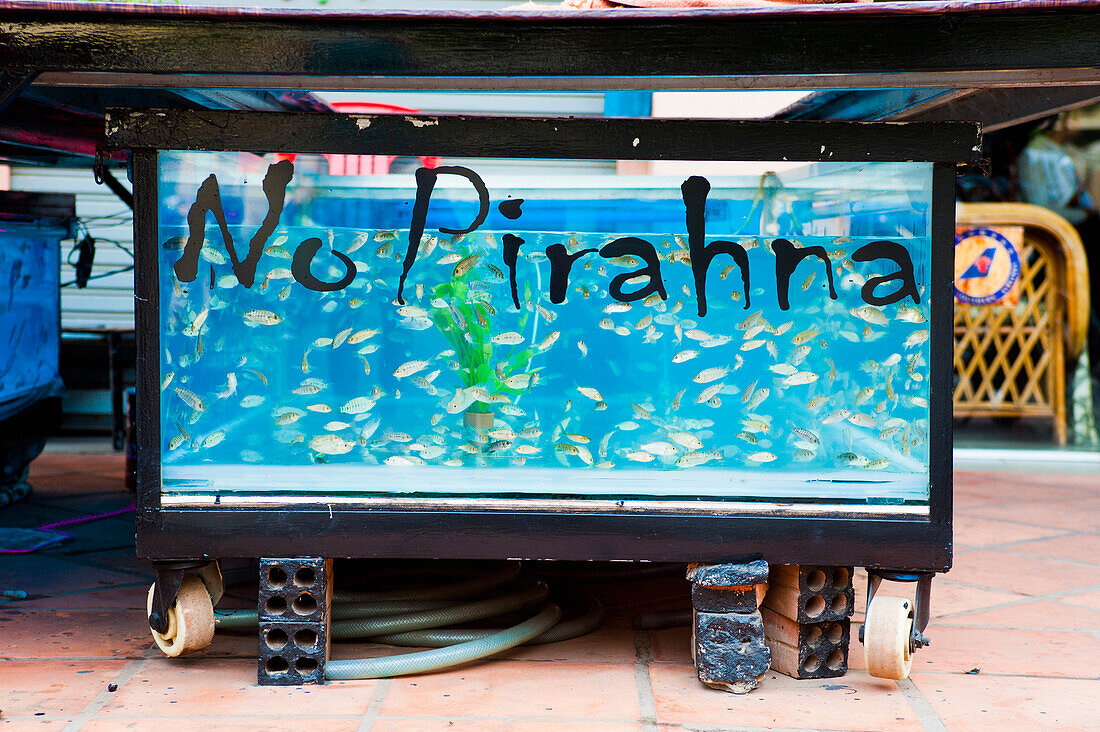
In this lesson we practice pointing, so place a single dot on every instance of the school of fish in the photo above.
(278, 374)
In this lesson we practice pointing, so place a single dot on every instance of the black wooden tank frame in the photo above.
(179, 538)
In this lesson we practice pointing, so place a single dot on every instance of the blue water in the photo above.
(599, 399)
(29, 321)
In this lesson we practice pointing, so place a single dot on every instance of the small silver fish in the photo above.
(804, 337)
(331, 444)
(465, 266)
(660, 448)
(191, 399)
(870, 314)
(361, 335)
(916, 338)
(409, 368)
(686, 439)
(862, 420)
(263, 317)
(694, 459)
(757, 399)
(800, 379)
(511, 338)
(549, 340)
(709, 393)
(837, 416)
(591, 393)
(358, 405)
(712, 374)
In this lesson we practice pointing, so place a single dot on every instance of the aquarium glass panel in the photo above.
(29, 321)
(545, 329)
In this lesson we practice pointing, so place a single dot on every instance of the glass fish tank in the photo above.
(30, 322)
(757, 333)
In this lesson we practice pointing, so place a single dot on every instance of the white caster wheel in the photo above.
(211, 576)
(886, 637)
(190, 619)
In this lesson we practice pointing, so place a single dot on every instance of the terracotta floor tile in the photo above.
(963, 501)
(232, 645)
(998, 703)
(60, 633)
(1028, 615)
(55, 688)
(1085, 599)
(602, 725)
(445, 724)
(1002, 487)
(855, 701)
(980, 532)
(1031, 652)
(1083, 547)
(112, 534)
(951, 597)
(119, 560)
(438, 724)
(1076, 515)
(119, 597)
(30, 514)
(201, 686)
(977, 489)
(671, 644)
(55, 463)
(38, 724)
(54, 485)
(1017, 573)
(45, 575)
(579, 685)
(527, 689)
(82, 490)
(222, 723)
(948, 597)
(116, 534)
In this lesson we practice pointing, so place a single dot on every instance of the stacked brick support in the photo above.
(295, 602)
(806, 614)
(727, 635)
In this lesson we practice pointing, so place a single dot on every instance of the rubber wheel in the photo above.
(190, 619)
(886, 635)
(211, 576)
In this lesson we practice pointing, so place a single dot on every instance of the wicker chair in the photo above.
(1011, 361)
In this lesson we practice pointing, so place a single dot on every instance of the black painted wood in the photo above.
(302, 531)
(537, 137)
(882, 38)
(147, 334)
(941, 351)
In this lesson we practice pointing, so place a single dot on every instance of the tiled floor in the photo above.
(1015, 641)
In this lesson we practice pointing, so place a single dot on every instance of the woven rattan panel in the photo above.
(1008, 360)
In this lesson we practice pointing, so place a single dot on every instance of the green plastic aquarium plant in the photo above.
(465, 321)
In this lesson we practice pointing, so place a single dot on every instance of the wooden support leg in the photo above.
(295, 602)
(806, 615)
(727, 635)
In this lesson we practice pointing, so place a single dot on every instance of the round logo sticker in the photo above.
(987, 266)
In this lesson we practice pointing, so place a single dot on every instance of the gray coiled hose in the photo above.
(420, 616)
